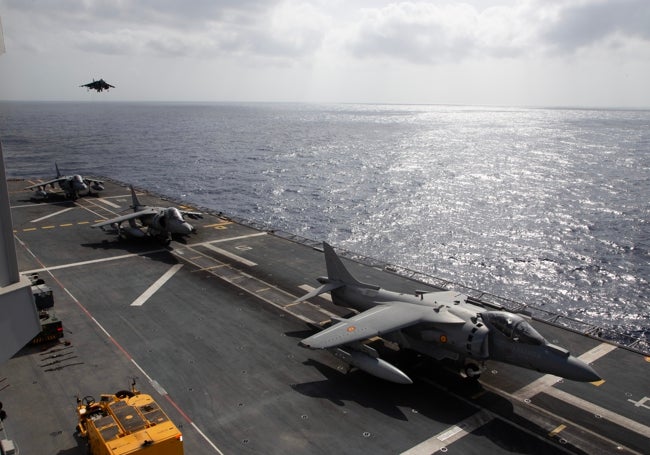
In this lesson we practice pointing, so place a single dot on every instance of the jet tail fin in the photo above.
(136, 202)
(58, 173)
(336, 271)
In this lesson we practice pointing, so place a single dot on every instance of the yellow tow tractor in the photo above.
(127, 422)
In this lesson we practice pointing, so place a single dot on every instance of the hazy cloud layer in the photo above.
(420, 32)
(469, 51)
(433, 32)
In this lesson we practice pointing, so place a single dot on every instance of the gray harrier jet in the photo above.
(99, 85)
(442, 325)
(72, 185)
(161, 222)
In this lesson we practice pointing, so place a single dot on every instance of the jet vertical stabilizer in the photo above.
(336, 271)
(136, 203)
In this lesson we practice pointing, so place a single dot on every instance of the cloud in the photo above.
(196, 28)
(582, 24)
(417, 32)
(427, 33)
(484, 51)
(291, 30)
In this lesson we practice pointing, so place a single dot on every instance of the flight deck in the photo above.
(208, 326)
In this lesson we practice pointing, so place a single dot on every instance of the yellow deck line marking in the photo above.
(230, 239)
(65, 225)
(216, 225)
(83, 222)
(48, 227)
(51, 214)
(557, 430)
(29, 229)
(157, 285)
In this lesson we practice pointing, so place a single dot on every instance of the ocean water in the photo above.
(549, 207)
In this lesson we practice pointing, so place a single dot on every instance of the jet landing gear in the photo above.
(472, 371)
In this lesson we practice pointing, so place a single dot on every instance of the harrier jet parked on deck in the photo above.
(161, 222)
(442, 325)
(72, 185)
(98, 85)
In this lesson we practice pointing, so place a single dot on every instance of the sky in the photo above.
(560, 53)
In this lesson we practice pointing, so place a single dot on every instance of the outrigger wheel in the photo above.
(472, 371)
(88, 400)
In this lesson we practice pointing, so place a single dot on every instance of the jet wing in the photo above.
(130, 216)
(378, 320)
(87, 181)
(192, 215)
(43, 184)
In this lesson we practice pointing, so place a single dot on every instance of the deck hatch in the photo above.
(128, 417)
(153, 413)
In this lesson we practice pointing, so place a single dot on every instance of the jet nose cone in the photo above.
(577, 370)
(182, 228)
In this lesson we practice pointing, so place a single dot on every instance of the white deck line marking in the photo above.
(157, 285)
(51, 214)
(206, 438)
(93, 261)
(258, 293)
(153, 382)
(57, 203)
(585, 405)
(451, 434)
(596, 353)
(230, 255)
(125, 256)
(547, 381)
(158, 388)
(107, 202)
(545, 384)
(308, 288)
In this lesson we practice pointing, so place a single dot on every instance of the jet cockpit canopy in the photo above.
(172, 213)
(513, 326)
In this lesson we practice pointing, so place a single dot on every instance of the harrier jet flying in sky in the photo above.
(98, 85)
(161, 222)
(72, 185)
(442, 325)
